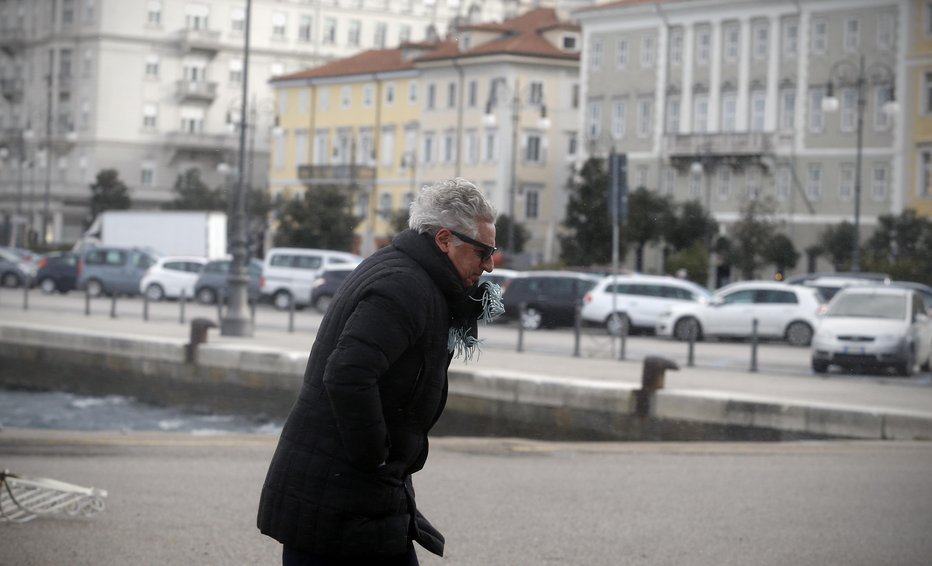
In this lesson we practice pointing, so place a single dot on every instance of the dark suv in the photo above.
(58, 272)
(325, 286)
(549, 297)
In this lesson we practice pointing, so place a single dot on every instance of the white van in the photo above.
(287, 273)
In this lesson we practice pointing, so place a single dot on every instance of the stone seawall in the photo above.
(263, 381)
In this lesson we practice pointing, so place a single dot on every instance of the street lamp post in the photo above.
(489, 119)
(856, 74)
(236, 322)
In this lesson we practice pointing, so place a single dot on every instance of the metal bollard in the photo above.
(652, 378)
(181, 302)
(113, 305)
(145, 307)
(219, 308)
(291, 314)
(623, 344)
(252, 313)
(577, 328)
(87, 303)
(26, 295)
(521, 308)
(754, 342)
(199, 327)
(691, 356)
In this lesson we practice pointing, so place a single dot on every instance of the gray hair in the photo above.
(455, 203)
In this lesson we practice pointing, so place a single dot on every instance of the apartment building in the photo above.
(495, 103)
(153, 88)
(918, 109)
(722, 101)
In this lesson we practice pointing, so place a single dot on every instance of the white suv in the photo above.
(287, 273)
(638, 300)
(783, 312)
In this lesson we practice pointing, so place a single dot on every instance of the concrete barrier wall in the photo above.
(482, 402)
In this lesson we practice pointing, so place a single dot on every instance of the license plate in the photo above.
(852, 350)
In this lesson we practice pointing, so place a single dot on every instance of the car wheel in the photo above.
(686, 328)
(155, 292)
(819, 366)
(206, 296)
(10, 279)
(927, 365)
(799, 334)
(47, 285)
(531, 318)
(94, 288)
(905, 369)
(617, 323)
(323, 303)
(282, 300)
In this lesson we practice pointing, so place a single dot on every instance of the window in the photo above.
(154, 13)
(404, 33)
(196, 15)
(882, 96)
(752, 182)
(150, 116)
(879, 181)
(472, 94)
(279, 24)
(192, 120)
(724, 183)
(574, 96)
(569, 42)
(323, 98)
(695, 185)
(451, 95)
(761, 38)
(645, 116)
(758, 110)
(449, 146)
(787, 109)
(471, 141)
(67, 12)
(729, 111)
(147, 174)
(385, 205)
(594, 121)
(236, 71)
(380, 33)
(924, 190)
(64, 63)
(621, 53)
(431, 101)
(387, 146)
(595, 59)
(851, 37)
(87, 64)
(300, 147)
(152, 66)
(783, 182)
(886, 28)
(491, 144)
(428, 153)
(816, 116)
(703, 45)
(321, 137)
(849, 109)
(790, 39)
(390, 94)
(330, 31)
(814, 182)
(672, 117)
(927, 19)
(572, 144)
(640, 176)
(846, 182)
(536, 93)
(89, 11)
(412, 92)
(352, 36)
(668, 181)
(700, 113)
(533, 152)
(618, 119)
(676, 47)
(304, 101)
(926, 93)
(305, 27)
(238, 20)
(819, 41)
(531, 203)
(367, 95)
(732, 41)
(647, 51)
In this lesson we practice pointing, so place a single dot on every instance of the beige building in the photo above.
(152, 88)
(495, 103)
(918, 108)
(722, 101)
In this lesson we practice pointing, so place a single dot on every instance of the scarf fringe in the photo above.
(459, 342)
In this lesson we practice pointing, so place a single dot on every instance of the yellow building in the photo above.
(918, 109)
(352, 123)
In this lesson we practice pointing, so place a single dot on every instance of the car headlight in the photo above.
(887, 339)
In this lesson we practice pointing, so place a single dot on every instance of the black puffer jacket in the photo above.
(376, 382)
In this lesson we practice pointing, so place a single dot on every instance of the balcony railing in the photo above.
(200, 141)
(196, 90)
(199, 40)
(12, 90)
(335, 173)
(734, 147)
(12, 40)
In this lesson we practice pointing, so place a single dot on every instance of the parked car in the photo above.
(58, 272)
(874, 327)
(14, 270)
(212, 285)
(113, 270)
(499, 276)
(783, 312)
(287, 273)
(637, 301)
(550, 297)
(328, 281)
(924, 290)
(171, 276)
(830, 283)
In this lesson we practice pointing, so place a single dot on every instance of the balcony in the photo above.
(737, 149)
(336, 174)
(12, 40)
(196, 90)
(200, 142)
(12, 90)
(199, 40)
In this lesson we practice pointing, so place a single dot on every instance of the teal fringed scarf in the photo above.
(461, 340)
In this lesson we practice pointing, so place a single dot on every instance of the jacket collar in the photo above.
(423, 249)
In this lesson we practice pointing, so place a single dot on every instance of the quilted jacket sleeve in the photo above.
(381, 327)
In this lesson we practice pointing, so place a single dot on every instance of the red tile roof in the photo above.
(372, 61)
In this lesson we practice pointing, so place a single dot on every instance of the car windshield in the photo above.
(864, 305)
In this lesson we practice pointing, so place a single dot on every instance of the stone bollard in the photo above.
(199, 327)
(652, 379)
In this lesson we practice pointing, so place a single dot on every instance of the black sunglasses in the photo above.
(487, 250)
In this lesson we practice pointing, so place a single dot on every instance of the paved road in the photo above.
(191, 500)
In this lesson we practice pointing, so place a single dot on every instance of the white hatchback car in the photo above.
(171, 276)
(783, 312)
(875, 326)
(637, 301)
